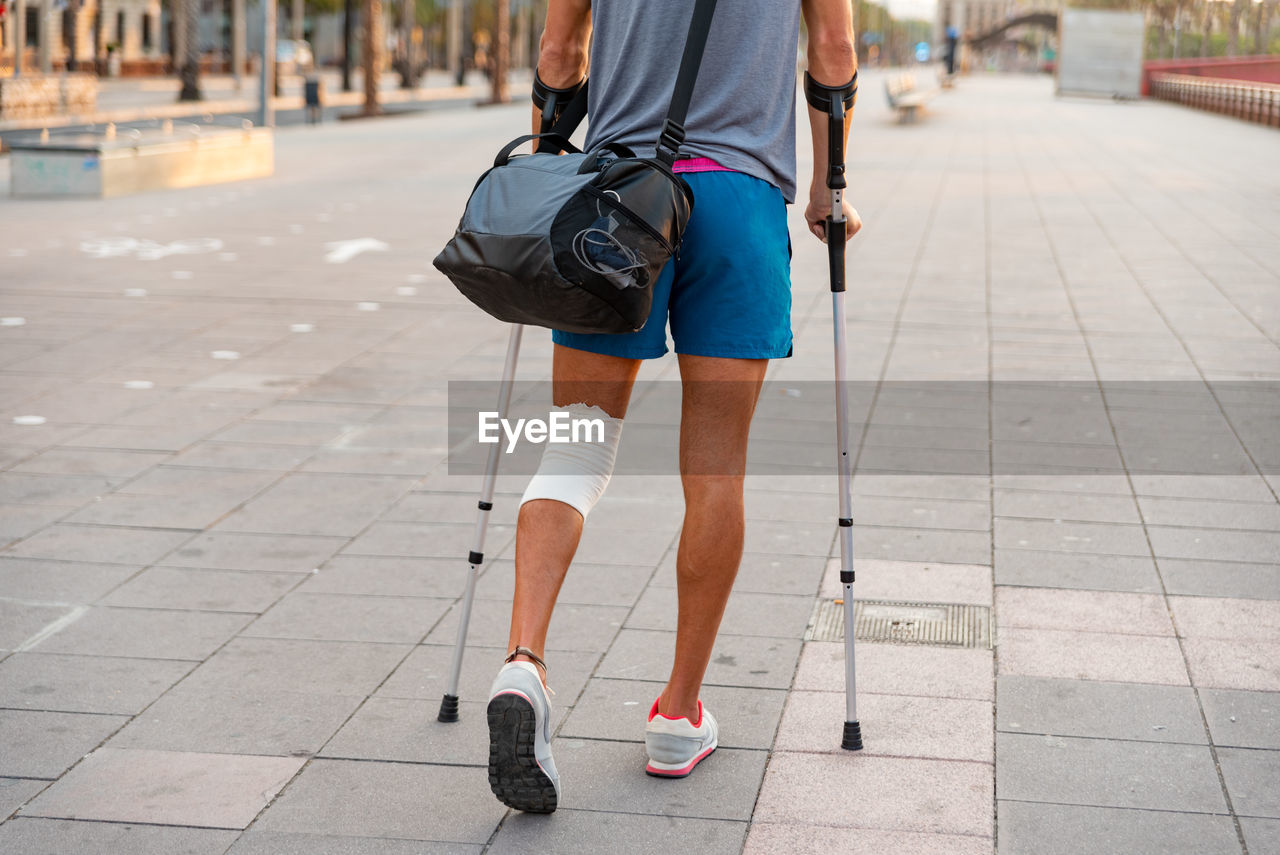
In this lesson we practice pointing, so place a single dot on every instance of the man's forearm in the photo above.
(562, 52)
(832, 62)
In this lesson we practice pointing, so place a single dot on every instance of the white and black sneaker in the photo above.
(521, 772)
(676, 745)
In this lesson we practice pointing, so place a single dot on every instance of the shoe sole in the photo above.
(666, 770)
(515, 776)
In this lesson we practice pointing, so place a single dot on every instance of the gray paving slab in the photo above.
(59, 835)
(254, 842)
(211, 455)
(801, 839)
(46, 744)
(590, 831)
(1048, 569)
(19, 521)
(20, 621)
(1251, 776)
(1221, 578)
(15, 792)
(618, 709)
(573, 626)
(298, 665)
(736, 660)
(100, 544)
(912, 581)
(1107, 773)
(1083, 611)
(145, 633)
(191, 511)
(934, 796)
(1079, 507)
(388, 577)
(237, 721)
(90, 461)
(166, 788)
(1100, 538)
(407, 731)
(892, 726)
(86, 684)
(346, 617)
(899, 670)
(1242, 719)
(1228, 515)
(760, 572)
(776, 615)
(24, 488)
(1030, 828)
(48, 580)
(1223, 664)
(1218, 617)
(424, 674)
(1091, 656)
(1097, 710)
(426, 540)
(918, 544)
(1261, 835)
(203, 590)
(315, 504)
(228, 551)
(1216, 544)
(367, 799)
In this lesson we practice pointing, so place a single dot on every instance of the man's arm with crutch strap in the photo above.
(560, 80)
(832, 76)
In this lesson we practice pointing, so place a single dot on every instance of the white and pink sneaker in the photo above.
(676, 745)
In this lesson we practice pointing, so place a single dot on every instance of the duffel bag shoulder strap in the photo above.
(560, 143)
(673, 128)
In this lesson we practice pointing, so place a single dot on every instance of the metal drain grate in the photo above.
(941, 624)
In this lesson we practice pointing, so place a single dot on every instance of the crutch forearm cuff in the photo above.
(821, 96)
(541, 92)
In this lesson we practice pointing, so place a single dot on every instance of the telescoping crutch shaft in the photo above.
(835, 102)
(449, 705)
(562, 110)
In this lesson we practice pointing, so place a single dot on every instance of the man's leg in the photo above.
(719, 399)
(547, 531)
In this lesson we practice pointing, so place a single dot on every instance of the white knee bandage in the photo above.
(576, 473)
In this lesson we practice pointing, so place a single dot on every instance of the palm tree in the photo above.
(190, 69)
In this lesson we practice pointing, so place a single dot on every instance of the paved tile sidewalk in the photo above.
(230, 551)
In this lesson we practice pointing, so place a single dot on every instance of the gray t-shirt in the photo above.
(743, 113)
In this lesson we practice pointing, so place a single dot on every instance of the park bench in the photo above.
(905, 97)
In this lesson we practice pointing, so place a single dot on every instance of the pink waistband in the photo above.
(699, 164)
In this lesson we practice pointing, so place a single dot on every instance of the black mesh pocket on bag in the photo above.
(601, 246)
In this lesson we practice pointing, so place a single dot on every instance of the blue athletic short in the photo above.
(729, 292)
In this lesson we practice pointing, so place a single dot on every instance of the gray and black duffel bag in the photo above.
(576, 241)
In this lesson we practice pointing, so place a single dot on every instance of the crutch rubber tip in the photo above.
(852, 740)
(448, 708)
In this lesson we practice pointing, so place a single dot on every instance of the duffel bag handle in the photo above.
(591, 165)
(504, 156)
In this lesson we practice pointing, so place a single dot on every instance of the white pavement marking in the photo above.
(28, 420)
(135, 292)
(342, 251)
(266, 241)
(12, 321)
(138, 384)
(17, 253)
(225, 354)
(368, 306)
(406, 291)
(182, 274)
(227, 256)
(301, 327)
(57, 626)
(147, 250)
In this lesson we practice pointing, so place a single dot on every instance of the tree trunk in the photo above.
(1208, 29)
(372, 55)
(237, 41)
(1264, 27)
(1233, 27)
(190, 73)
(297, 20)
(501, 58)
(73, 41)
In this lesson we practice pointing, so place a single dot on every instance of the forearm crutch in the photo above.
(835, 102)
(562, 110)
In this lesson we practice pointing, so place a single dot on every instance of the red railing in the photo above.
(1244, 99)
(1259, 69)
